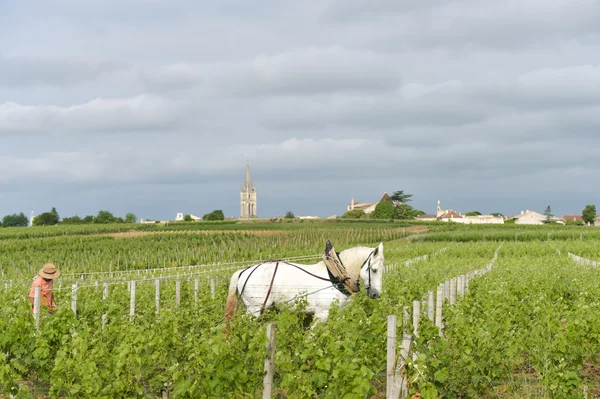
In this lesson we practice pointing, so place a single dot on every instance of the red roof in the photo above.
(572, 217)
(450, 214)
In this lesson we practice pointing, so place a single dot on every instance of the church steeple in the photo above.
(248, 197)
(248, 176)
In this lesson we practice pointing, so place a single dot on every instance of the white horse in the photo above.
(276, 282)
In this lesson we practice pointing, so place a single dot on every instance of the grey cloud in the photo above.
(310, 71)
(345, 10)
(144, 112)
(508, 25)
(439, 105)
(546, 88)
(31, 71)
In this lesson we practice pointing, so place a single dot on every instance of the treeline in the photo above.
(52, 218)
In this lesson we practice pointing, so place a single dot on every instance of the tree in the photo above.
(46, 219)
(55, 213)
(404, 212)
(187, 218)
(354, 214)
(383, 210)
(497, 214)
(15, 220)
(589, 214)
(289, 215)
(548, 213)
(473, 213)
(104, 217)
(130, 218)
(214, 215)
(400, 198)
(72, 220)
(89, 219)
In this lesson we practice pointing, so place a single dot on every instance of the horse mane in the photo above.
(354, 258)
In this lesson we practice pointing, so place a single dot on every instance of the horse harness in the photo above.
(336, 282)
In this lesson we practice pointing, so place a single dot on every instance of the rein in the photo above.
(336, 282)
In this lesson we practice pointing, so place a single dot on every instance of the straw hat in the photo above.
(49, 271)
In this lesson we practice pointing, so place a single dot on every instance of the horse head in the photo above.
(371, 272)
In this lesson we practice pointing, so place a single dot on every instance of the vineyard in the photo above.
(142, 315)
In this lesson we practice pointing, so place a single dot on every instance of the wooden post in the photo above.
(391, 354)
(36, 306)
(132, 299)
(157, 294)
(177, 293)
(104, 298)
(453, 291)
(461, 285)
(438, 307)
(405, 317)
(74, 299)
(446, 289)
(400, 380)
(269, 361)
(196, 289)
(416, 317)
(430, 306)
(212, 288)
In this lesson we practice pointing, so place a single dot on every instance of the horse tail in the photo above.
(232, 300)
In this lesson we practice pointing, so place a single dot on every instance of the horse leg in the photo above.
(321, 316)
(253, 310)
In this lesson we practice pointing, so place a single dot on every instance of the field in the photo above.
(529, 328)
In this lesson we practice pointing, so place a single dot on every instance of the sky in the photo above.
(154, 107)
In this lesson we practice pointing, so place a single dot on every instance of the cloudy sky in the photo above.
(155, 106)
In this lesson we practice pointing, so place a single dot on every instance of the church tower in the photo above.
(248, 197)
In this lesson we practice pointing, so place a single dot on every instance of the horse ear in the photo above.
(378, 249)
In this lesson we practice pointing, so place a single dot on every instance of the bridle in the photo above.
(368, 263)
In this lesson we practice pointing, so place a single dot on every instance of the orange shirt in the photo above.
(46, 296)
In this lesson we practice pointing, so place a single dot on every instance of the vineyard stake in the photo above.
(430, 305)
(36, 306)
(132, 300)
(438, 308)
(178, 292)
(416, 317)
(212, 288)
(74, 299)
(196, 289)
(398, 388)
(104, 298)
(157, 299)
(391, 354)
(269, 362)
(453, 291)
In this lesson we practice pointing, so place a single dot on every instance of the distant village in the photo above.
(248, 211)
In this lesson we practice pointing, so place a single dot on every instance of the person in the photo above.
(45, 280)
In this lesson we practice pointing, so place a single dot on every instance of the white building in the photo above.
(530, 217)
(483, 219)
(180, 216)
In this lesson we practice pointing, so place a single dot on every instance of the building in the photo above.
(248, 197)
(597, 221)
(483, 219)
(571, 218)
(367, 207)
(530, 217)
(449, 215)
(180, 217)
